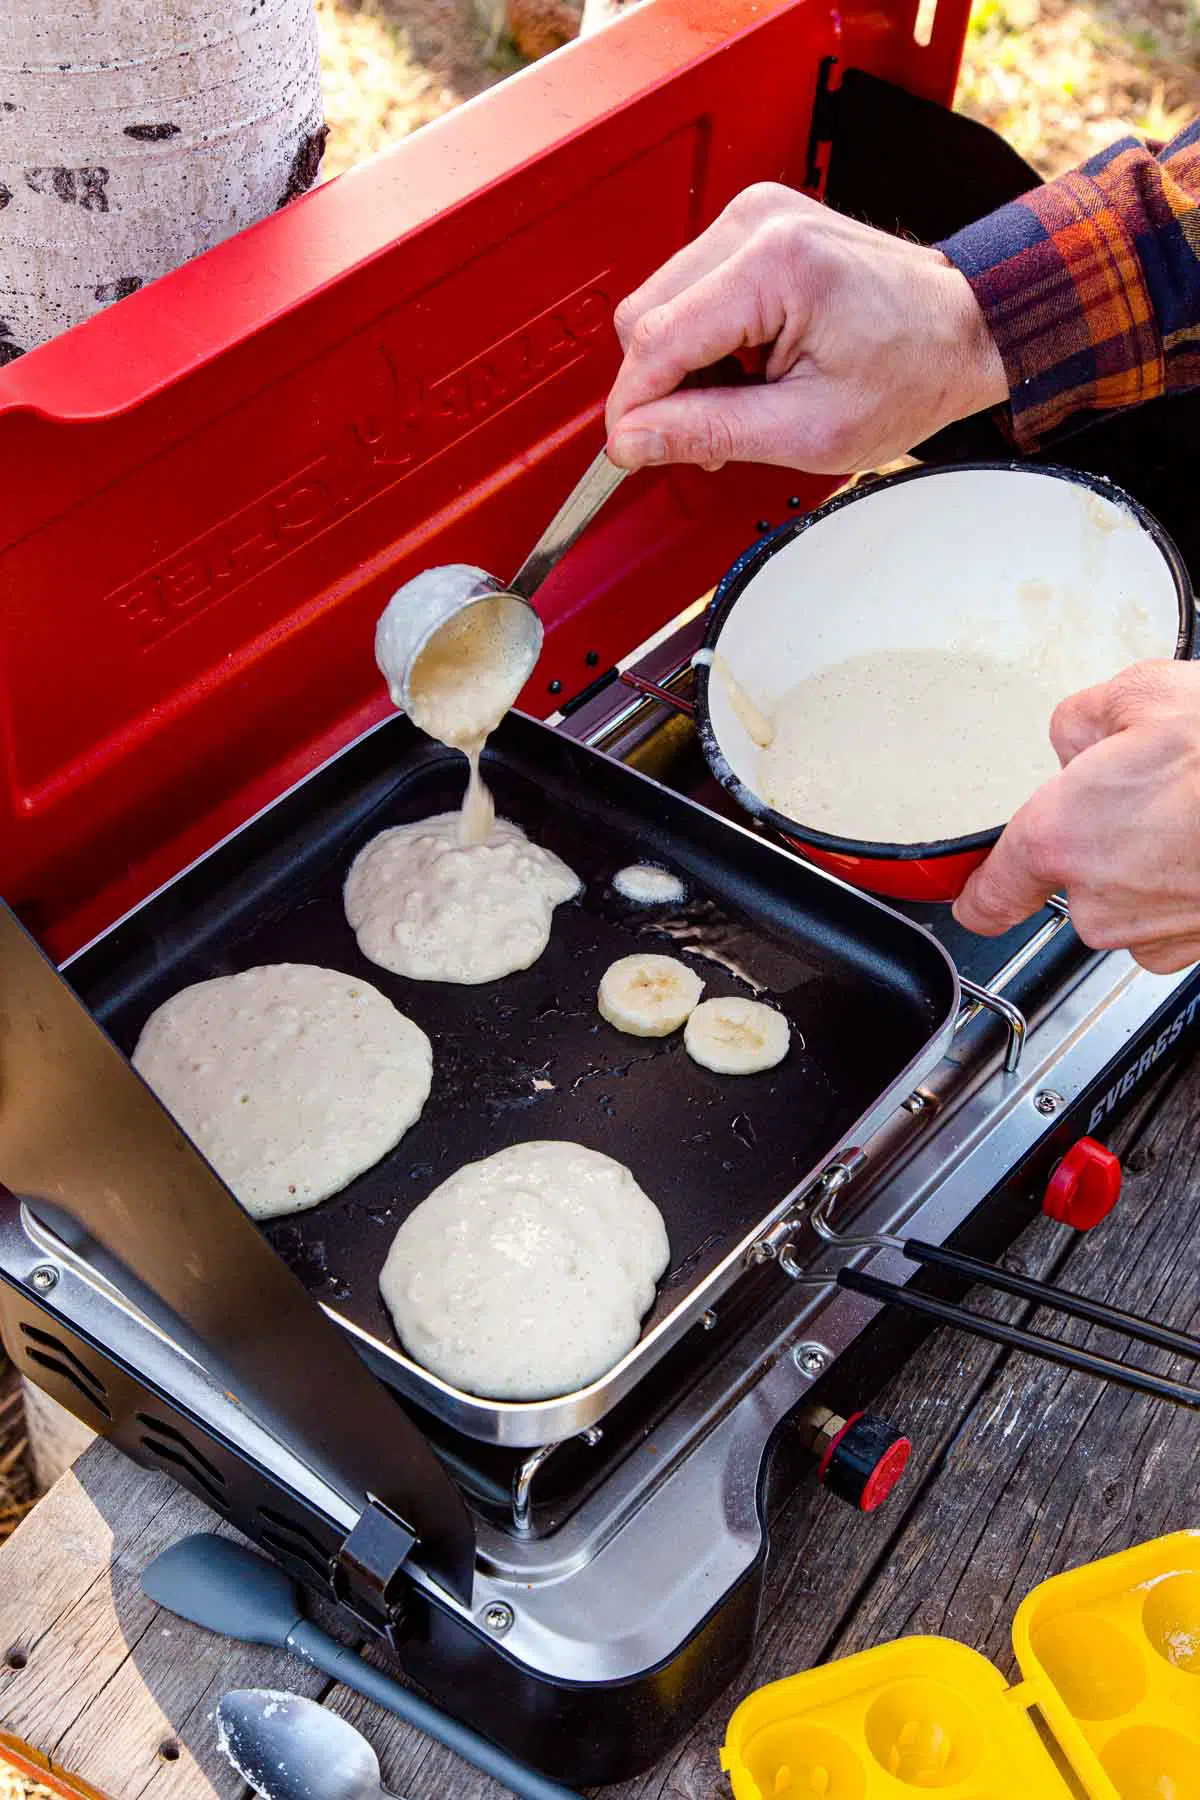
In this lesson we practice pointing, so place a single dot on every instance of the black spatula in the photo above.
(228, 1589)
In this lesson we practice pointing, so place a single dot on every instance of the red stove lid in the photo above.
(212, 488)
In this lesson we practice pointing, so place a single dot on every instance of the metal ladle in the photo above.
(419, 610)
(424, 606)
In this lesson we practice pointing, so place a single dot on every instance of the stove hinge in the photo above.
(368, 1571)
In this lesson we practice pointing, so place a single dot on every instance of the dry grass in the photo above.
(390, 66)
(16, 1487)
(1059, 78)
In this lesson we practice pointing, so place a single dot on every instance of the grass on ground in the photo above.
(1058, 78)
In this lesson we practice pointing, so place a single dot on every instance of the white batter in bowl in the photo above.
(886, 675)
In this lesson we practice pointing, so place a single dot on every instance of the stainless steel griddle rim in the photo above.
(697, 1528)
(531, 1423)
(929, 1184)
(152, 1211)
(197, 862)
(528, 1424)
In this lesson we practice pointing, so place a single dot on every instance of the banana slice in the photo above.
(648, 996)
(736, 1037)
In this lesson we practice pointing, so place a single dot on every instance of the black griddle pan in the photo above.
(871, 999)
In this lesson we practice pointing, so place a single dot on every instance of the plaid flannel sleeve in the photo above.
(1091, 284)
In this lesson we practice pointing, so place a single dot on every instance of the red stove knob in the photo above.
(864, 1461)
(1085, 1186)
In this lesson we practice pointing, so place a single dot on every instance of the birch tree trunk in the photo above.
(135, 134)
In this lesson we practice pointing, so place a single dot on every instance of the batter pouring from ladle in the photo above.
(464, 676)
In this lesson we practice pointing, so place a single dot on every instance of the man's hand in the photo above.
(874, 343)
(1119, 828)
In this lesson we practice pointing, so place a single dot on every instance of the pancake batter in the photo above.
(425, 905)
(909, 746)
(758, 728)
(290, 1079)
(526, 1275)
(461, 685)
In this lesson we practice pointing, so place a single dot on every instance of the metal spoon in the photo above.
(292, 1749)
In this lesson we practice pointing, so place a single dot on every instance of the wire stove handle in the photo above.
(1131, 1326)
(1018, 1337)
(1076, 1306)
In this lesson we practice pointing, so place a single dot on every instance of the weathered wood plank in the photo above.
(1056, 1469)
(111, 1686)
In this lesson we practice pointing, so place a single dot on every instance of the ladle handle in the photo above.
(573, 517)
(599, 482)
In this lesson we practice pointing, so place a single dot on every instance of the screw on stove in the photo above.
(44, 1278)
(811, 1359)
(762, 1252)
(1047, 1102)
(498, 1618)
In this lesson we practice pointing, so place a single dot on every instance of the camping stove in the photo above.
(618, 1573)
(211, 490)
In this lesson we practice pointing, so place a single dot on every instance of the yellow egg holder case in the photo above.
(1110, 1655)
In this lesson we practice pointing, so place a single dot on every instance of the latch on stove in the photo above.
(775, 1245)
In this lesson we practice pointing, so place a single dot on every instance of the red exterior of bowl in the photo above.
(941, 878)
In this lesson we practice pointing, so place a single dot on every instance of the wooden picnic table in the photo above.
(1020, 1470)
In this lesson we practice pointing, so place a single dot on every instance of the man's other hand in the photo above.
(1118, 828)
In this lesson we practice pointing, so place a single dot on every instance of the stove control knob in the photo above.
(863, 1460)
(1084, 1187)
